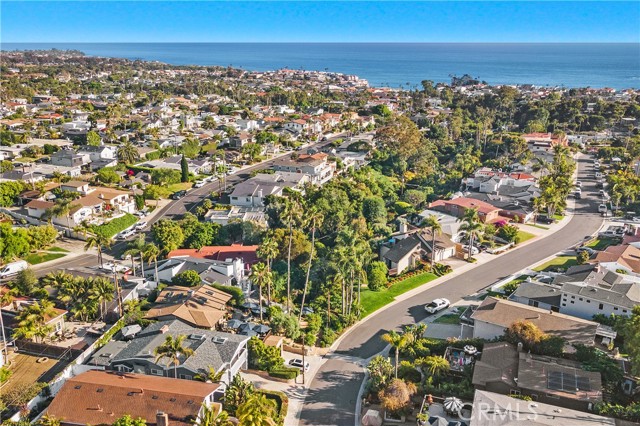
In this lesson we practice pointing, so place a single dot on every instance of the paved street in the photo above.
(335, 387)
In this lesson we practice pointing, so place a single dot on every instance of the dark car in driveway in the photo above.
(545, 219)
(179, 194)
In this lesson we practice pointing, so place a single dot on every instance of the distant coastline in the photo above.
(597, 65)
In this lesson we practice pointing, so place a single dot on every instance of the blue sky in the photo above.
(309, 21)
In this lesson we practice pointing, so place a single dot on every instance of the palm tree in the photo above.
(398, 341)
(315, 217)
(62, 207)
(102, 290)
(127, 153)
(212, 376)
(291, 214)
(261, 276)
(32, 320)
(211, 417)
(436, 229)
(83, 228)
(136, 248)
(472, 226)
(268, 250)
(100, 242)
(151, 253)
(133, 310)
(434, 365)
(172, 349)
(257, 410)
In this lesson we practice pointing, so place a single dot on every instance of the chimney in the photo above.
(162, 419)
(402, 227)
(164, 329)
(520, 346)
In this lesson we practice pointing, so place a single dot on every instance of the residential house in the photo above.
(493, 316)
(115, 200)
(101, 397)
(76, 186)
(317, 166)
(509, 207)
(401, 254)
(493, 409)
(99, 153)
(203, 307)
(544, 142)
(620, 258)
(243, 214)
(248, 254)
(69, 158)
(457, 207)
(253, 191)
(450, 224)
(505, 370)
(226, 272)
(589, 290)
(445, 248)
(10, 312)
(297, 126)
(174, 163)
(38, 208)
(221, 351)
(538, 295)
(240, 140)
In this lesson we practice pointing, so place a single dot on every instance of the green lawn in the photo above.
(35, 258)
(58, 249)
(560, 262)
(453, 319)
(602, 243)
(524, 236)
(371, 301)
(175, 187)
(558, 217)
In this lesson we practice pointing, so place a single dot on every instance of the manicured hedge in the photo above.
(281, 400)
(284, 372)
(236, 292)
(115, 226)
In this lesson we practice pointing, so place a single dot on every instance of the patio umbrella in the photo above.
(452, 404)
(248, 332)
(438, 421)
(372, 418)
(234, 324)
(249, 305)
(246, 326)
(261, 329)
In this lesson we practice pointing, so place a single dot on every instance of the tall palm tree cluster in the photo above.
(473, 227)
(86, 299)
(139, 248)
(557, 182)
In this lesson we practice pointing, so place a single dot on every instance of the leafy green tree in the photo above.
(631, 334)
(582, 257)
(167, 234)
(251, 151)
(509, 233)
(314, 217)
(162, 176)
(374, 210)
(172, 349)
(184, 169)
(9, 192)
(284, 324)
(25, 282)
(257, 410)
(187, 278)
(210, 416)
(107, 175)
(377, 275)
(42, 236)
(32, 321)
(93, 139)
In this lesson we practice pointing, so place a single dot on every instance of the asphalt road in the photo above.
(332, 396)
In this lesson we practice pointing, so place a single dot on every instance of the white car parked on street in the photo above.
(437, 305)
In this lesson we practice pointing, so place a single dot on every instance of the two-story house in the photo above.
(317, 166)
(69, 158)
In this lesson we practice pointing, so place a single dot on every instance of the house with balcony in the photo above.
(317, 166)
(115, 200)
(69, 158)
(253, 191)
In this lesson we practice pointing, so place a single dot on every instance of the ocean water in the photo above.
(615, 65)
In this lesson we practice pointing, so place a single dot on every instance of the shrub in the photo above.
(409, 373)
(236, 292)
(287, 373)
(328, 337)
(281, 400)
(377, 275)
(115, 226)
(263, 357)
(188, 278)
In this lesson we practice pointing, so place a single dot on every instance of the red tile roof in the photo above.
(467, 203)
(248, 254)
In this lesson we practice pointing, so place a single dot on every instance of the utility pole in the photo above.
(118, 292)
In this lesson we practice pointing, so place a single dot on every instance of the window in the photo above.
(514, 392)
(185, 376)
(564, 304)
(588, 301)
(552, 396)
(573, 297)
(600, 306)
(572, 302)
(580, 299)
(615, 308)
(624, 311)
(156, 372)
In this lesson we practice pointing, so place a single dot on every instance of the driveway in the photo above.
(331, 400)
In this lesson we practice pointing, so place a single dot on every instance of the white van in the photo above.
(13, 268)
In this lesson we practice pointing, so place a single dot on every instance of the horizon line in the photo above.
(320, 42)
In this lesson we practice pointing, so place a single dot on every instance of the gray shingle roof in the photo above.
(206, 351)
(402, 248)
